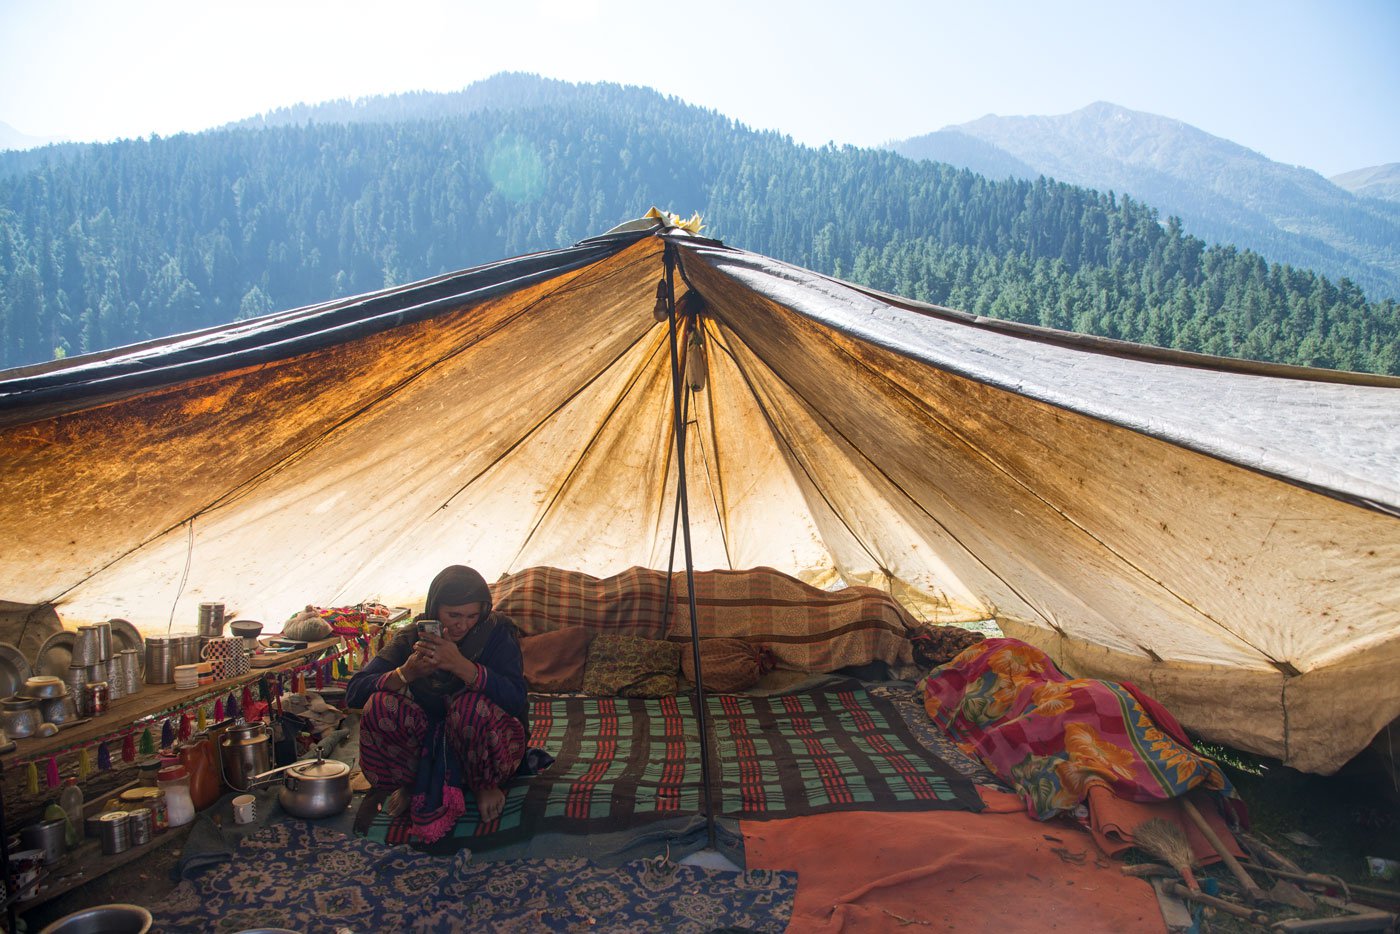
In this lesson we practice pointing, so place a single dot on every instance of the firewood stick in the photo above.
(1251, 891)
(1220, 904)
(1333, 882)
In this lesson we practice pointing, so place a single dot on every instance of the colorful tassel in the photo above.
(51, 773)
(203, 722)
(84, 763)
(128, 748)
(320, 678)
(104, 758)
(218, 710)
(247, 700)
(264, 689)
(231, 708)
(31, 779)
(148, 742)
(185, 726)
(167, 734)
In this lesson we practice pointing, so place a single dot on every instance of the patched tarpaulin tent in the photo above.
(1223, 533)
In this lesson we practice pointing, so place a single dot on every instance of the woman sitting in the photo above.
(443, 713)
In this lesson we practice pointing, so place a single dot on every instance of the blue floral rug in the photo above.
(312, 879)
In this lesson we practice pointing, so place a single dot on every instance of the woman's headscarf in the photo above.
(455, 586)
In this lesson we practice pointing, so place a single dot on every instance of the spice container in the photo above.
(139, 826)
(179, 806)
(96, 698)
(112, 830)
(151, 800)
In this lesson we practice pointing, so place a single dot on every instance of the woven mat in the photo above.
(623, 762)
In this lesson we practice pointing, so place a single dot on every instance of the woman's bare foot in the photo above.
(490, 802)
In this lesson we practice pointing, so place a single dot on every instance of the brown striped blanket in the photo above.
(806, 629)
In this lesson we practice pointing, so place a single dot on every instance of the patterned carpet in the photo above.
(312, 879)
(622, 762)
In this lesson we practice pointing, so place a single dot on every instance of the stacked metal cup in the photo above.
(75, 677)
(116, 678)
(104, 640)
(130, 669)
(87, 647)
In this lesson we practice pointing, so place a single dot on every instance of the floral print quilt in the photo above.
(1052, 738)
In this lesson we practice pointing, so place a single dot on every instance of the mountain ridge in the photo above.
(1222, 191)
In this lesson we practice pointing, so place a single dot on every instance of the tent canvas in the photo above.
(1226, 534)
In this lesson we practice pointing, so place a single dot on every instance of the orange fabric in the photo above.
(950, 870)
(1112, 819)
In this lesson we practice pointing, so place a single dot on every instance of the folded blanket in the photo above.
(1052, 738)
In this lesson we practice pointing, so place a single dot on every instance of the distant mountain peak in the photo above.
(1376, 181)
(1222, 191)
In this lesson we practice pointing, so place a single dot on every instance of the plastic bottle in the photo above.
(71, 800)
(179, 806)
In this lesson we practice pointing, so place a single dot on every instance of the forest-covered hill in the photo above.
(112, 243)
(1222, 191)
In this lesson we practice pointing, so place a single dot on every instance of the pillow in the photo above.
(729, 664)
(628, 666)
(554, 660)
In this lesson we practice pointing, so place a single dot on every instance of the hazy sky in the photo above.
(1314, 84)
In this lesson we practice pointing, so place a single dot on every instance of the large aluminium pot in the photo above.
(313, 788)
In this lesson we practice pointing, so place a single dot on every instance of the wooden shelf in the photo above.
(86, 862)
(150, 700)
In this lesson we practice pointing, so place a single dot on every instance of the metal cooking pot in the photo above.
(19, 716)
(313, 788)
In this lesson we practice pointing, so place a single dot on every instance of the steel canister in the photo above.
(140, 826)
(211, 619)
(113, 829)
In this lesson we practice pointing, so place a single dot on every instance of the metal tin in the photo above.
(151, 800)
(140, 826)
(211, 619)
(96, 698)
(189, 646)
(162, 655)
(113, 830)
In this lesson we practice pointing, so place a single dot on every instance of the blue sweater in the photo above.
(502, 676)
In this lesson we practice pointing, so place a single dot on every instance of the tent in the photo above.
(1225, 534)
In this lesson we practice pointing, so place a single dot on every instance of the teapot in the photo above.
(312, 788)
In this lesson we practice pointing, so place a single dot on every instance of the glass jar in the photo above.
(174, 780)
(153, 800)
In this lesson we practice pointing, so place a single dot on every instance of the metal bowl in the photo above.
(44, 687)
(103, 919)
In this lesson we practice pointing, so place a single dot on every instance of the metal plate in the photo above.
(14, 669)
(126, 636)
(56, 654)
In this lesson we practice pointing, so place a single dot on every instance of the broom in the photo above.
(1167, 842)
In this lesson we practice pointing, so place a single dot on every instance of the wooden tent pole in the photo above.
(678, 411)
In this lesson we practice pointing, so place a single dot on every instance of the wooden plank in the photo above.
(86, 862)
(150, 700)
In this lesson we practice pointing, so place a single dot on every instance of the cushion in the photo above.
(629, 666)
(554, 661)
(729, 665)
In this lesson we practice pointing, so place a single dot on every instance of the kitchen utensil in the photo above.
(46, 835)
(126, 636)
(19, 717)
(162, 658)
(58, 709)
(245, 751)
(87, 647)
(56, 654)
(112, 830)
(47, 729)
(227, 655)
(189, 647)
(103, 919)
(75, 678)
(104, 640)
(211, 619)
(116, 684)
(248, 630)
(313, 789)
(14, 669)
(41, 687)
(245, 809)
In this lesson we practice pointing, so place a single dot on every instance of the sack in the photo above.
(728, 665)
(626, 666)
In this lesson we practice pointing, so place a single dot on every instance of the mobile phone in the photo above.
(433, 626)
